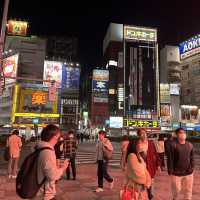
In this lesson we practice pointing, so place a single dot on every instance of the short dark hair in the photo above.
(49, 132)
(125, 138)
(139, 131)
(101, 132)
(178, 129)
(71, 132)
(15, 132)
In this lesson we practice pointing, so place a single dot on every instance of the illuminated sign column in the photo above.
(17, 28)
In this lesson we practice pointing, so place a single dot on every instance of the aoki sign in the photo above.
(190, 47)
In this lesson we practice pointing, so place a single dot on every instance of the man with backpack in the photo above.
(181, 166)
(104, 154)
(39, 171)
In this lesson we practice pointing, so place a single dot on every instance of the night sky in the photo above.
(88, 20)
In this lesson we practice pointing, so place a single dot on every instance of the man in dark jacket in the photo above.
(70, 147)
(181, 166)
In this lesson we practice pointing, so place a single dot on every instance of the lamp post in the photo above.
(2, 40)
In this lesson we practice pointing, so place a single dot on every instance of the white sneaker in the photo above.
(112, 184)
(14, 177)
(99, 189)
(9, 176)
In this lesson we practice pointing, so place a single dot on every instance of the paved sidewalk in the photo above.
(83, 188)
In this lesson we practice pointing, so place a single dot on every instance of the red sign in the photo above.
(52, 93)
(17, 28)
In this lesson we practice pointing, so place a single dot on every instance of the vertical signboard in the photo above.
(70, 77)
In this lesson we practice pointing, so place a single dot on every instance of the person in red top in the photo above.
(148, 152)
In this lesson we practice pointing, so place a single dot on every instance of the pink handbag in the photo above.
(127, 194)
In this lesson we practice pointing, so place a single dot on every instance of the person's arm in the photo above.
(158, 162)
(192, 162)
(51, 171)
(108, 145)
(170, 158)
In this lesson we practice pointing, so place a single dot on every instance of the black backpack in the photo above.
(27, 184)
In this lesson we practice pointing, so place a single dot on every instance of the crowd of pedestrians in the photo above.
(141, 160)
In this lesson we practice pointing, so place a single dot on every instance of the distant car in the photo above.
(155, 136)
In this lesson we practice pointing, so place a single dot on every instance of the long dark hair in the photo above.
(132, 148)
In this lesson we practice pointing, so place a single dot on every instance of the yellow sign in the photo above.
(39, 98)
(36, 115)
(140, 33)
(17, 27)
(141, 123)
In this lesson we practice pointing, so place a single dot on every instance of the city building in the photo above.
(62, 48)
(31, 50)
(170, 83)
(131, 55)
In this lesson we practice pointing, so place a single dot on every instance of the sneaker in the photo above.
(9, 176)
(99, 189)
(14, 177)
(112, 184)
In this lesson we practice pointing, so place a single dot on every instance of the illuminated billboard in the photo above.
(17, 28)
(190, 47)
(10, 65)
(140, 33)
(116, 122)
(141, 123)
(70, 77)
(100, 75)
(31, 101)
(52, 72)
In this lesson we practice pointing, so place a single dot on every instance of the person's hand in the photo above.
(159, 169)
(65, 164)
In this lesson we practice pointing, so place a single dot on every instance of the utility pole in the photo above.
(2, 40)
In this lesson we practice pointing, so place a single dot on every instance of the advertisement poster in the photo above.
(175, 89)
(52, 72)
(70, 77)
(10, 65)
(165, 114)
(189, 114)
(116, 122)
(164, 93)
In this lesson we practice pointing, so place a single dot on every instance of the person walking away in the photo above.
(123, 148)
(137, 177)
(148, 152)
(59, 150)
(102, 162)
(70, 147)
(47, 166)
(181, 166)
(160, 148)
(14, 143)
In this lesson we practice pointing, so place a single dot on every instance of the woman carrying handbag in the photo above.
(137, 176)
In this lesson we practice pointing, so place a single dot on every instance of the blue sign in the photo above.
(36, 121)
(100, 86)
(70, 77)
(190, 47)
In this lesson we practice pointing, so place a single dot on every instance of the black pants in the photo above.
(102, 173)
(73, 166)
(162, 159)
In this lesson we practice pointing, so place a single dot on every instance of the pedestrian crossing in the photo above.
(84, 157)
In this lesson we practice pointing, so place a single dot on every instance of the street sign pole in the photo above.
(2, 40)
